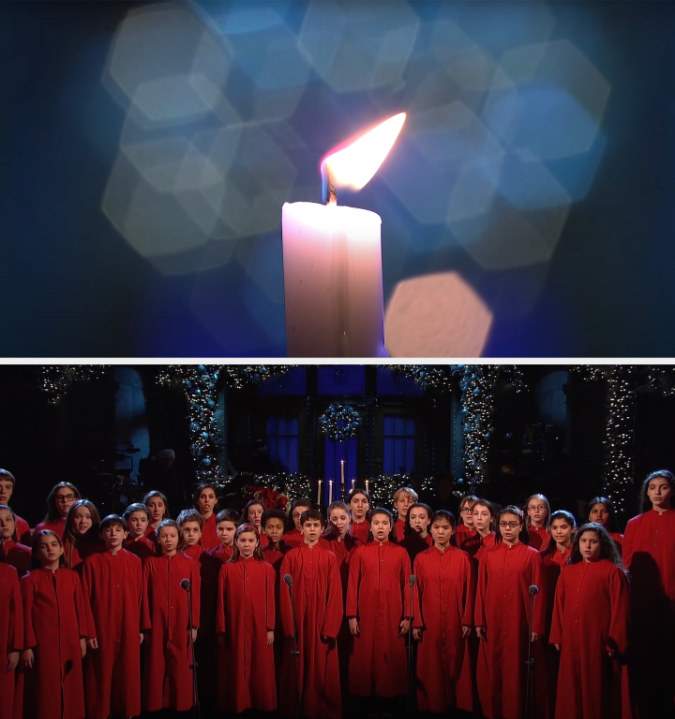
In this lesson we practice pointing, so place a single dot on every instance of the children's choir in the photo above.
(508, 613)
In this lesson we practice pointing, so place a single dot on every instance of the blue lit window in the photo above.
(283, 443)
(398, 449)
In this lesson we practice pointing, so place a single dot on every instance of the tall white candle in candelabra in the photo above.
(318, 494)
(333, 258)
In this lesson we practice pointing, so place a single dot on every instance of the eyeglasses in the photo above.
(466, 509)
(65, 497)
(511, 525)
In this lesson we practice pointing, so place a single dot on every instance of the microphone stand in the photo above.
(195, 711)
(529, 663)
(411, 668)
(295, 652)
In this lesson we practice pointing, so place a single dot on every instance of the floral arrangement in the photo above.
(271, 497)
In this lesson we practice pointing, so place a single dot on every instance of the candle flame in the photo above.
(354, 164)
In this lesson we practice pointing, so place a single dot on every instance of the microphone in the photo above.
(288, 579)
(185, 584)
(534, 589)
(412, 579)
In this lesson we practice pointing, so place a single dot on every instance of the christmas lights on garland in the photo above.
(199, 382)
(662, 379)
(617, 480)
(206, 419)
(477, 384)
(240, 376)
(429, 377)
(57, 380)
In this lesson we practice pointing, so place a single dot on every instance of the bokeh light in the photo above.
(436, 316)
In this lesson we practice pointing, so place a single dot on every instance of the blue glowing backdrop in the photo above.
(149, 148)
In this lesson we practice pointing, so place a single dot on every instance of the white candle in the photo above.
(332, 281)
(330, 491)
(333, 259)
(353, 485)
(318, 494)
(367, 486)
(342, 471)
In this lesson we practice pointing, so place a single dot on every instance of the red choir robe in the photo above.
(143, 547)
(443, 601)
(399, 530)
(244, 615)
(113, 586)
(414, 544)
(18, 555)
(378, 595)
(87, 545)
(489, 540)
(210, 563)
(294, 537)
(209, 539)
(505, 575)
(56, 525)
(649, 555)
(465, 538)
(317, 608)
(343, 551)
(274, 555)
(194, 552)
(546, 658)
(11, 636)
(23, 533)
(618, 538)
(590, 615)
(56, 617)
(360, 530)
(167, 675)
(540, 537)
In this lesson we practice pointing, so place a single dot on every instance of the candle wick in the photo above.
(328, 196)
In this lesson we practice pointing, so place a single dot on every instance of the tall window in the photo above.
(398, 445)
(282, 441)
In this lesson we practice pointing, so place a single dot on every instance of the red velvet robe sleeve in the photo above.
(590, 616)
(11, 634)
(317, 597)
(379, 595)
(55, 618)
(444, 594)
(23, 534)
(245, 614)
(112, 585)
(209, 539)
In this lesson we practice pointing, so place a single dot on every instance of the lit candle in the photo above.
(330, 491)
(353, 485)
(333, 258)
(368, 486)
(318, 494)
(342, 471)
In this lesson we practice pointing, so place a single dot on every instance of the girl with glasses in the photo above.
(502, 616)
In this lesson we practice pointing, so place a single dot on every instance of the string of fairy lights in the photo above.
(477, 386)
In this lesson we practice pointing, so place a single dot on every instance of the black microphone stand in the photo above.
(295, 652)
(195, 711)
(529, 664)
